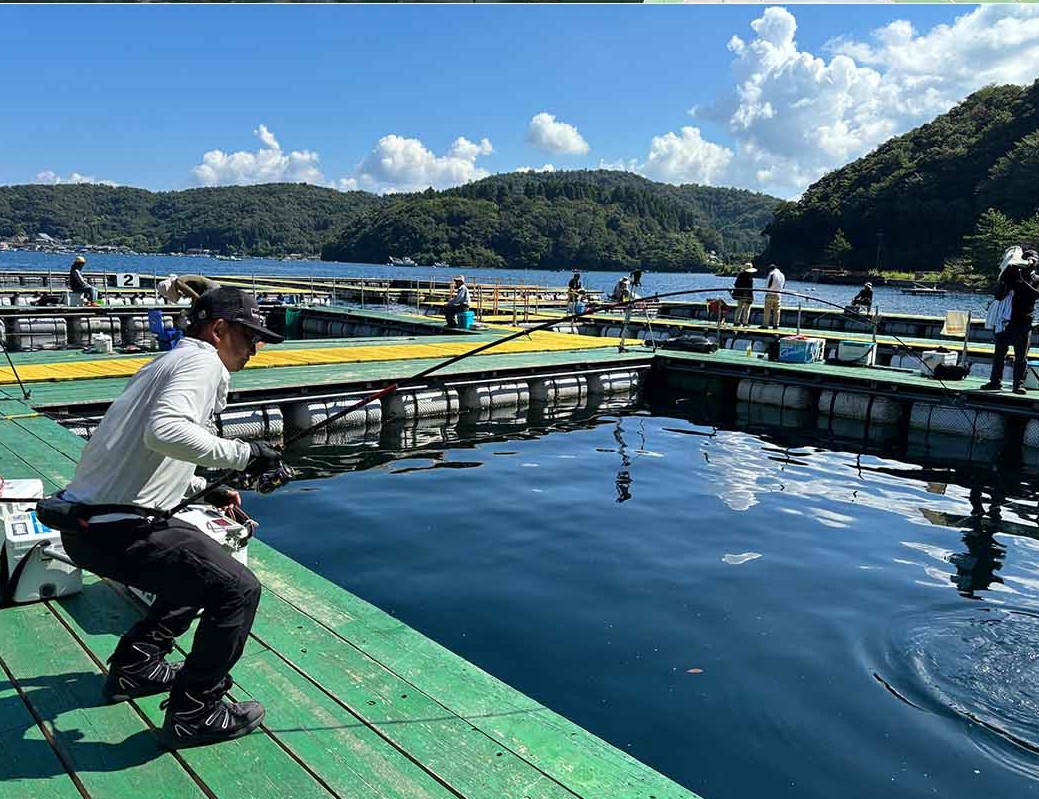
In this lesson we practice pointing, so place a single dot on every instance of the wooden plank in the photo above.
(350, 757)
(28, 764)
(457, 752)
(585, 763)
(66, 445)
(22, 456)
(251, 767)
(110, 748)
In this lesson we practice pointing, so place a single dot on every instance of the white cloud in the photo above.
(685, 158)
(542, 168)
(794, 115)
(269, 164)
(51, 178)
(398, 164)
(545, 133)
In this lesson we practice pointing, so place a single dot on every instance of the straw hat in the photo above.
(79, 259)
(868, 285)
(459, 278)
(749, 267)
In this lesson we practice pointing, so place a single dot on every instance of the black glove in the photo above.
(262, 458)
(221, 496)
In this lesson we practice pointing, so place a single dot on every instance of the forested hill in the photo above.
(597, 219)
(272, 219)
(957, 189)
(590, 219)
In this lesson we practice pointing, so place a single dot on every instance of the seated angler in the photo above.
(459, 303)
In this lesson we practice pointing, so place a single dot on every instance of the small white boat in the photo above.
(926, 291)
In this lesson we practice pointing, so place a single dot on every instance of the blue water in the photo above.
(751, 610)
(753, 614)
(887, 300)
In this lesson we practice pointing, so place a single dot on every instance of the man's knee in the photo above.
(249, 589)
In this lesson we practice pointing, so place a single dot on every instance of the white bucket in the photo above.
(101, 342)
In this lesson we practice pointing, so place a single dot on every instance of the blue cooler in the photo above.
(465, 319)
(799, 349)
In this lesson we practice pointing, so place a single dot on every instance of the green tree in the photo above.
(838, 247)
(984, 247)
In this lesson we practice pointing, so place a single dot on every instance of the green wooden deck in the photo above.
(358, 704)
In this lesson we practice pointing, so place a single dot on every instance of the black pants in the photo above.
(451, 311)
(1016, 335)
(188, 572)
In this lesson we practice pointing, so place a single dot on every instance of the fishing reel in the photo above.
(265, 482)
(275, 479)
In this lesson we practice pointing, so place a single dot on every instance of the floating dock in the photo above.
(358, 704)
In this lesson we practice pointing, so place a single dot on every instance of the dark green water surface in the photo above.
(754, 612)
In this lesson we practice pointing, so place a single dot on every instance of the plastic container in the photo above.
(465, 319)
(101, 342)
(857, 353)
(800, 349)
(929, 359)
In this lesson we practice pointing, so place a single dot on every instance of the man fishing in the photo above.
(140, 462)
(80, 284)
(459, 303)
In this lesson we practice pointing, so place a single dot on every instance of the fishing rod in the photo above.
(269, 482)
(26, 393)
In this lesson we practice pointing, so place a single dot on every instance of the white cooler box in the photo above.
(232, 536)
(857, 353)
(33, 564)
(929, 359)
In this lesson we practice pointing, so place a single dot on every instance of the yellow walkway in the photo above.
(540, 341)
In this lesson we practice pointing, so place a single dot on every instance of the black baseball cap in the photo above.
(234, 305)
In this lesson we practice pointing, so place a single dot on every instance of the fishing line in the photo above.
(418, 377)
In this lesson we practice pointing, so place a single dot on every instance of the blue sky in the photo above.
(399, 97)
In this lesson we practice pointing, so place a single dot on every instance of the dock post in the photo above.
(799, 318)
(966, 338)
(362, 292)
(333, 290)
(155, 287)
(104, 285)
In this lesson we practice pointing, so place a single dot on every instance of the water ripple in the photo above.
(979, 665)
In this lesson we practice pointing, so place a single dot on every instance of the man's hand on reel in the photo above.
(266, 471)
(263, 457)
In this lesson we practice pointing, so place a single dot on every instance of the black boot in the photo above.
(138, 669)
(197, 718)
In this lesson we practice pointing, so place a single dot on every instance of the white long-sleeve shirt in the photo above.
(461, 296)
(776, 282)
(145, 450)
